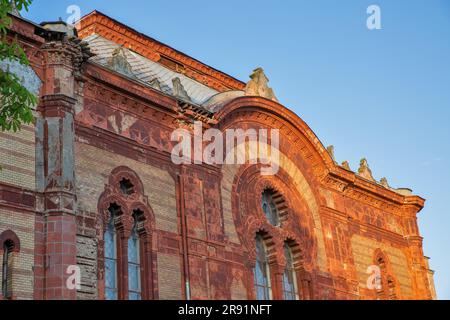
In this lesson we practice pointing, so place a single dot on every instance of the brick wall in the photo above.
(159, 187)
(17, 162)
(22, 224)
(17, 158)
(169, 277)
(363, 252)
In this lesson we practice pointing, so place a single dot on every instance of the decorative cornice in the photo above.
(98, 23)
(355, 187)
(101, 75)
(72, 52)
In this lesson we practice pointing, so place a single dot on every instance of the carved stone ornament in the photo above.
(155, 84)
(346, 166)
(258, 86)
(330, 150)
(178, 90)
(364, 170)
(384, 183)
(14, 10)
(70, 51)
(119, 62)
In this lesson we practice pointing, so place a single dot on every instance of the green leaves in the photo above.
(16, 101)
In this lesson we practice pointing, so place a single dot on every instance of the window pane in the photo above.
(110, 250)
(110, 274)
(134, 279)
(6, 267)
(260, 293)
(110, 294)
(261, 271)
(260, 274)
(289, 278)
(133, 254)
(134, 296)
(110, 261)
(269, 207)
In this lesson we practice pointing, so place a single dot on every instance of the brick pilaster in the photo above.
(56, 226)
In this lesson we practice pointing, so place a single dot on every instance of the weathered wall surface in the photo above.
(17, 202)
(17, 158)
(93, 168)
(17, 185)
(201, 221)
(363, 251)
(22, 224)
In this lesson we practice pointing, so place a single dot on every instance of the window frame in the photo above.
(273, 216)
(267, 285)
(290, 271)
(137, 264)
(111, 227)
(6, 291)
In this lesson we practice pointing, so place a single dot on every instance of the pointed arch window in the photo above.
(262, 272)
(386, 289)
(290, 288)
(7, 269)
(126, 251)
(134, 265)
(110, 239)
(270, 208)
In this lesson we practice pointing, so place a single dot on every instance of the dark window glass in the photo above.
(6, 269)
(126, 187)
(269, 207)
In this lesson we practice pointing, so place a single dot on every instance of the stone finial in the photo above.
(119, 62)
(155, 84)
(330, 150)
(364, 170)
(14, 10)
(258, 86)
(346, 165)
(178, 89)
(384, 183)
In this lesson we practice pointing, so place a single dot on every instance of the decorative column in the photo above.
(305, 289)
(277, 272)
(124, 226)
(416, 257)
(63, 57)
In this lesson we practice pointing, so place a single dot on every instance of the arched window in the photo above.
(7, 269)
(270, 208)
(110, 239)
(261, 271)
(290, 290)
(126, 187)
(134, 267)
(386, 289)
(127, 247)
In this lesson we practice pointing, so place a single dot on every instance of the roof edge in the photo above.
(153, 49)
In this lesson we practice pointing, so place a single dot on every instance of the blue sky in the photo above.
(381, 94)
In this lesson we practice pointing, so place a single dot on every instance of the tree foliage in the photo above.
(16, 101)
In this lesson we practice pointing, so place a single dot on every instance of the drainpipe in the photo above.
(184, 234)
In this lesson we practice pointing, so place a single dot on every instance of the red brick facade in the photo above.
(197, 224)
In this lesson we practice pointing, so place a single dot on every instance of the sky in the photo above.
(380, 94)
